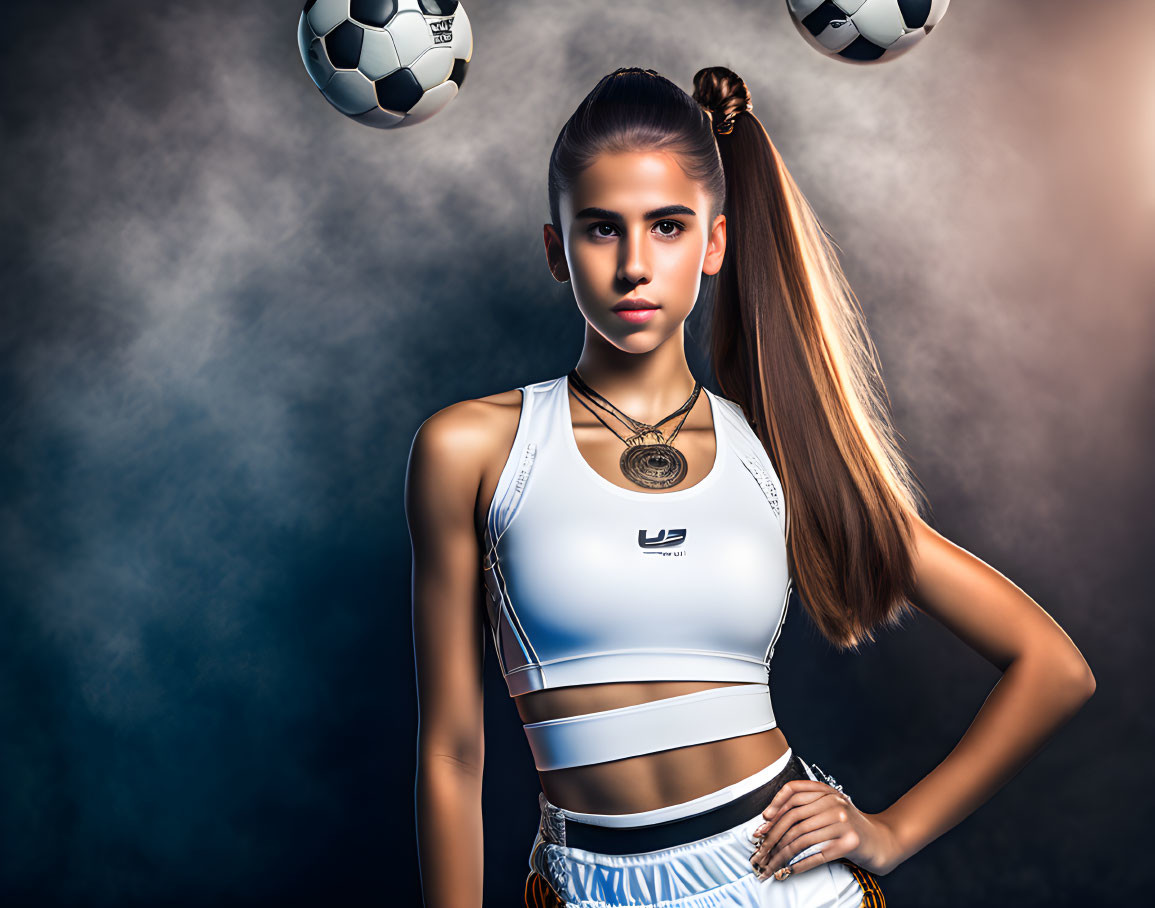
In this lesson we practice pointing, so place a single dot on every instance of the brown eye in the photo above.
(678, 228)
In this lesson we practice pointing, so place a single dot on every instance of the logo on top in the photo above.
(663, 542)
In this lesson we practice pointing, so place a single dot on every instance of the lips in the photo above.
(636, 303)
(636, 316)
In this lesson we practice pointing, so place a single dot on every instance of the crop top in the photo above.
(588, 582)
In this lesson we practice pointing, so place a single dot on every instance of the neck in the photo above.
(647, 386)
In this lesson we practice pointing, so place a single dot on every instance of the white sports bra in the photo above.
(592, 583)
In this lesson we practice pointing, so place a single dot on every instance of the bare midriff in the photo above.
(647, 781)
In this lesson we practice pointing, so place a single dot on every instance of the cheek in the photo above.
(593, 267)
(682, 267)
(592, 256)
(587, 270)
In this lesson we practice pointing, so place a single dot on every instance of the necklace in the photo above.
(651, 465)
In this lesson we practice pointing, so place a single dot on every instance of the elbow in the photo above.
(440, 769)
(1088, 682)
(1077, 677)
(460, 756)
(1066, 676)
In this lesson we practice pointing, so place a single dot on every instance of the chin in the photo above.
(639, 340)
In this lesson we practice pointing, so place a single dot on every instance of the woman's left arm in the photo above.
(1045, 682)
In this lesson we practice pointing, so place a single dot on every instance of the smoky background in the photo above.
(227, 309)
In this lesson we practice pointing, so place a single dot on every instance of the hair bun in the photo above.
(722, 93)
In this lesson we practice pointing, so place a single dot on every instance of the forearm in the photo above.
(449, 832)
(1031, 701)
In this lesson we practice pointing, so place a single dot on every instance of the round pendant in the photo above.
(656, 466)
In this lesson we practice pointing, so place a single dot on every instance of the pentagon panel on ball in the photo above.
(865, 31)
(386, 63)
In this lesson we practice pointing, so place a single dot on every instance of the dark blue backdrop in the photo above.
(226, 310)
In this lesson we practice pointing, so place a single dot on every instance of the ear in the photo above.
(715, 246)
(555, 254)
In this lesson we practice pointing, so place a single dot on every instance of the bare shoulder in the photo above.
(463, 443)
(471, 427)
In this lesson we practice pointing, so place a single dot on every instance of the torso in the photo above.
(648, 781)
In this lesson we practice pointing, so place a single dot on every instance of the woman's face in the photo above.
(635, 231)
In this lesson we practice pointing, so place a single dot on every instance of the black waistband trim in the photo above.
(637, 839)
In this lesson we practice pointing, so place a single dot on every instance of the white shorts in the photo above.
(707, 873)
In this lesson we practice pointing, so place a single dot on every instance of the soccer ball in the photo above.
(865, 31)
(386, 63)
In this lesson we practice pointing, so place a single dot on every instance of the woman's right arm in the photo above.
(441, 489)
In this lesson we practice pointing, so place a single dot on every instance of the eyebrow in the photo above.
(608, 215)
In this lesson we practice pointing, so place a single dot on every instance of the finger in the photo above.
(822, 842)
(807, 863)
(826, 838)
(790, 824)
(799, 799)
(783, 794)
(787, 826)
(800, 836)
(779, 830)
(800, 795)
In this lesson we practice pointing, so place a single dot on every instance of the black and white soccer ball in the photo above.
(386, 63)
(865, 31)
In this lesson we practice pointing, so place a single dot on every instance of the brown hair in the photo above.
(789, 342)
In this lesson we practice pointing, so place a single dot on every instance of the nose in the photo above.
(634, 265)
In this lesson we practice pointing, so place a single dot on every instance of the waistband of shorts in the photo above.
(684, 808)
(561, 827)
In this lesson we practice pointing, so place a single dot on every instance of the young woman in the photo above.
(637, 538)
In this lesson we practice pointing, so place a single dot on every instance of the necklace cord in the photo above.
(641, 429)
(652, 465)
